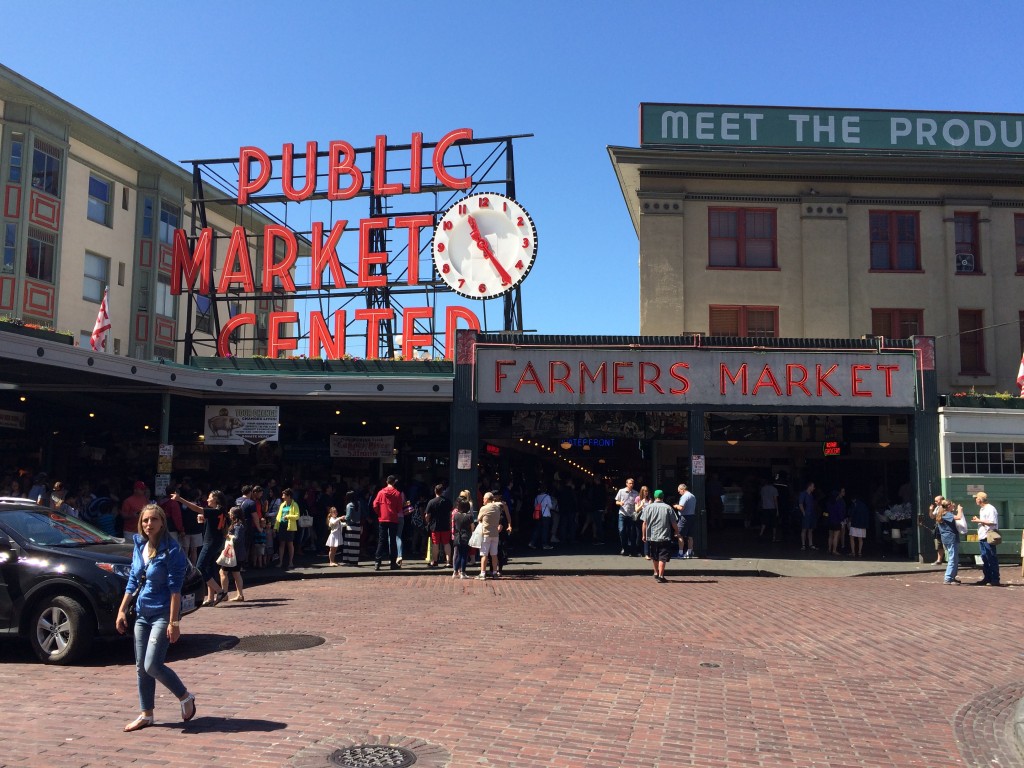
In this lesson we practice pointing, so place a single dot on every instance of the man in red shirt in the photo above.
(388, 506)
(132, 507)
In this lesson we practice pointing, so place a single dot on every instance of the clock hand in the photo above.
(483, 245)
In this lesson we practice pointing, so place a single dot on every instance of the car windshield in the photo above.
(49, 528)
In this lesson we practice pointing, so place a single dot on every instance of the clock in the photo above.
(484, 245)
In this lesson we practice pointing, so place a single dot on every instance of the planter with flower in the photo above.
(973, 399)
(11, 324)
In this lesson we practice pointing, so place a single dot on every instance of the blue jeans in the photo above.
(541, 533)
(951, 543)
(461, 558)
(989, 562)
(387, 541)
(150, 651)
(627, 533)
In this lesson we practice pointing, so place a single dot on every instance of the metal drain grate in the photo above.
(273, 643)
(373, 756)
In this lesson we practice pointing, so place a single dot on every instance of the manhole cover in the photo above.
(272, 643)
(373, 756)
(710, 665)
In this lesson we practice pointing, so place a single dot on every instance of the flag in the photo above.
(98, 340)
(1020, 376)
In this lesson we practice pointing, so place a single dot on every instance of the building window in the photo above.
(895, 241)
(741, 237)
(753, 322)
(170, 217)
(1018, 238)
(204, 314)
(46, 168)
(10, 247)
(164, 305)
(17, 150)
(39, 259)
(972, 341)
(968, 246)
(987, 458)
(101, 193)
(147, 217)
(97, 277)
(897, 323)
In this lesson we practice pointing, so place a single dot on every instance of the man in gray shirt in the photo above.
(659, 530)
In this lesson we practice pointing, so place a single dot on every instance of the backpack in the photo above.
(538, 506)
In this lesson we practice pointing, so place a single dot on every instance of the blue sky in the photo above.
(200, 79)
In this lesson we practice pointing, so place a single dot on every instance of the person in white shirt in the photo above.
(625, 500)
(987, 520)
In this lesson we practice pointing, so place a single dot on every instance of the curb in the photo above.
(1018, 729)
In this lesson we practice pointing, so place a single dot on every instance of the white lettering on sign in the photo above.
(729, 126)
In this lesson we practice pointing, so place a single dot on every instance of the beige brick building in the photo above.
(762, 221)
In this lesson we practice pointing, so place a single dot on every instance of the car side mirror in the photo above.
(6, 545)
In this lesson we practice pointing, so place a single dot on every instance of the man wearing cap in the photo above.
(659, 530)
(132, 508)
(987, 520)
(687, 512)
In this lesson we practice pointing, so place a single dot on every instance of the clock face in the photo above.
(484, 245)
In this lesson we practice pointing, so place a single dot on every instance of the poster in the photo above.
(360, 447)
(240, 424)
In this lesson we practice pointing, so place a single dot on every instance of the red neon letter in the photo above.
(822, 379)
(282, 269)
(238, 253)
(191, 264)
(767, 379)
(451, 317)
(247, 186)
(617, 375)
(857, 381)
(380, 170)
(411, 339)
(442, 146)
(368, 257)
(586, 374)
(373, 318)
(887, 371)
(325, 254)
(644, 381)
(499, 374)
(320, 336)
(413, 224)
(288, 172)
(741, 375)
(563, 379)
(680, 378)
(416, 163)
(275, 343)
(341, 160)
(795, 383)
(529, 376)
(242, 318)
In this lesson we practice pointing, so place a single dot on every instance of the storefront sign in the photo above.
(240, 424)
(745, 126)
(359, 447)
(12, 420)
(633, 377)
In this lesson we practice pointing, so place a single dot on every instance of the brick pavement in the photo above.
(556, 671)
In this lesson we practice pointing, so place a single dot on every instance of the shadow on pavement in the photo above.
(229, 725)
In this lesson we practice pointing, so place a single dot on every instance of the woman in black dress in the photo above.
(213, 518)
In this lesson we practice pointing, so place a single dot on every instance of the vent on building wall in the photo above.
(965, 262)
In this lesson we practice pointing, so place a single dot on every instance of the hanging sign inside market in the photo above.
(484, 245)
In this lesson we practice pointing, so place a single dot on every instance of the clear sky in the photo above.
(193, 79)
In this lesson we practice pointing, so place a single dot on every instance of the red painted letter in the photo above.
(380, 170)
(191, 264)
(411, 339)
(442, 146)
(373, 318)
(413, 224)
(796, 383)
(288, 172)
(451, 317)
(724, 374)
(238, 254)
(275, 342)
(242, 318)
(247, 186)
(857, 381)
(325, 254)
(320, 336)
(822, 379)
(681, 379)
(644, 381)
(367, 257)
(282, 269)
(341, 160)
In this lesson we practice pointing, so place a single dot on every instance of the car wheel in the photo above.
(61, 630)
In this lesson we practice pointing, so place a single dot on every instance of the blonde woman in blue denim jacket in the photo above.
(158, 557)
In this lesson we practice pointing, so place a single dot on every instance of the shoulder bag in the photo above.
(994, 538)
(132, 611)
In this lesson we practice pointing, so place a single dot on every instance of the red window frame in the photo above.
(744, 318)
(888, 233)
(970, 324)
(897, 323)
(968, 240)
(746, 239)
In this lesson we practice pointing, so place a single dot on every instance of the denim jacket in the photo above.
(165, 575)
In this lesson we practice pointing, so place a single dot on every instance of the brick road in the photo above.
(559, 671)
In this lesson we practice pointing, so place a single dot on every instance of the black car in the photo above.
(62, 580)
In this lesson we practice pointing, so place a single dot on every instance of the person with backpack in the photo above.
(542, 508)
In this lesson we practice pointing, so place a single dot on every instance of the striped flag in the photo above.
(1020, 376)
(98, 340)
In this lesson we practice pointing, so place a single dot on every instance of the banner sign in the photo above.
(240, 424)
(794, 127)
(12, 420)
(352, 447)
(642, 377)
